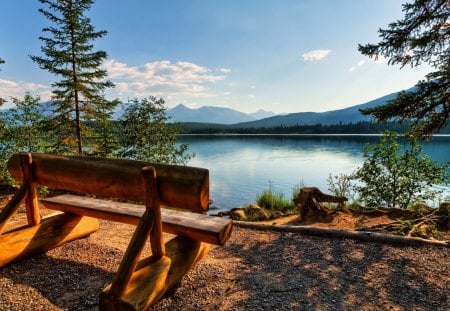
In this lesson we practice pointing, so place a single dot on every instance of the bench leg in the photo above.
(12, 206)
(51, 232)
(154, 277)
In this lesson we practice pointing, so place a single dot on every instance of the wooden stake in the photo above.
(31, 201)
(12, 206)
(152, 203)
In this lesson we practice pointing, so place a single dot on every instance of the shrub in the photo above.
(395, 177)
(273, 201)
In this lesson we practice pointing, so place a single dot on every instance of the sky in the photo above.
(278, 55)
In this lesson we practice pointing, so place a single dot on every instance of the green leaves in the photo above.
(146, 135)
(392, 176)
(22, 129)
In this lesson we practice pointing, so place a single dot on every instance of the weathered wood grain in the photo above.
(178, 186)
(214, 230)
(51, 232)
(154, 277)
(12, 206)
(31, 200)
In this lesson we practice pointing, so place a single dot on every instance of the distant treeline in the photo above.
(362, 127)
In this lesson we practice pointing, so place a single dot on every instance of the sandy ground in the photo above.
(255, 270)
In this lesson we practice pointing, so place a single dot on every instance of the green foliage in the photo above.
(69, 54)
(296, 190)
(391, 177)
(104, 132)
(422, 36)
(274, 201)
(361, 127)
(340, 185)
(22, 129)
(146, 135)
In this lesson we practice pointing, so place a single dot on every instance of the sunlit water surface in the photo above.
(241, 166)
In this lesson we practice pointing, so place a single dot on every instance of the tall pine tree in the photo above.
(69, 54)
(422, 36)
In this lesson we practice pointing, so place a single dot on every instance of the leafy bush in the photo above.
(395, 177)
(340, 185)
(22, 129)
(146, 135)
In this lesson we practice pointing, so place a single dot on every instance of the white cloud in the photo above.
(225, 70)
(10, 88)
(251, 96)
(315, 55)
(358, 64)
(162, 79)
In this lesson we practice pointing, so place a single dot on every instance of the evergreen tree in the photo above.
(2, 61)
(105, 140)
(422, 36)
(69, 54)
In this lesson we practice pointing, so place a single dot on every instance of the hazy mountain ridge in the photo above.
(346, 115)
(261, 118)
(208, 114)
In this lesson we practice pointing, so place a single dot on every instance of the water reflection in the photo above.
(243, 165)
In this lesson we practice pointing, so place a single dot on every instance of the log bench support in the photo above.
(39, 235)
(139, 282)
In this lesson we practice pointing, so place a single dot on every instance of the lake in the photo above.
(241, 166)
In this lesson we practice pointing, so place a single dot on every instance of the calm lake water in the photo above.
(241, 166)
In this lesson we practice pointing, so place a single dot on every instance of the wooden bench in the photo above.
(175, 199)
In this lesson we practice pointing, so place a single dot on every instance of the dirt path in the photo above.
(256, 270)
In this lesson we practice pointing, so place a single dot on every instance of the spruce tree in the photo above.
(421, 37)
(69, 54)
(2, 61)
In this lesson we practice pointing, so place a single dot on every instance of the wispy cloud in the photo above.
(225, 70)
(251, 96)
(315, 55)
(10, 88)
(358, 64)
(178, 80)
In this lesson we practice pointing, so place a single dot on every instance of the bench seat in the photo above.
(209, 229)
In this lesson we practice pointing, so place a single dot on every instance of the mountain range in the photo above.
(261, 118)
(218, 115)
(236, 119)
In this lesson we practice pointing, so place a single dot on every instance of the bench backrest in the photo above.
(181, 187)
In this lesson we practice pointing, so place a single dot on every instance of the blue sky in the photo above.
(278, 55)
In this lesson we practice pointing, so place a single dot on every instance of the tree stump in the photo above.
(309, 201)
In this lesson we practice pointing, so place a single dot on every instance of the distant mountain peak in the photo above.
(262, 114)
(208, 114)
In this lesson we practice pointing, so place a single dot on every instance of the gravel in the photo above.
(255, 270)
